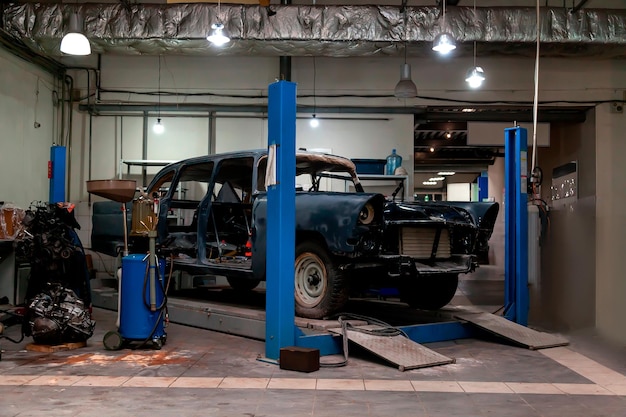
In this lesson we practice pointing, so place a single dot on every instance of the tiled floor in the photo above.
(204, 373)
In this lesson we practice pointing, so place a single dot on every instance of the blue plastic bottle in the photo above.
(393, 161)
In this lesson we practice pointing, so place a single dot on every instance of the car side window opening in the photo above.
(228, 226)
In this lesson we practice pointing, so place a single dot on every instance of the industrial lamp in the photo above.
(475, 75)
(314, 122)
(75, 42)
(405, 88)
(158, 127)
(218, 36)
(444, 42)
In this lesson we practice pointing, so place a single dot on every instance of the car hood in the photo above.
(403, 212)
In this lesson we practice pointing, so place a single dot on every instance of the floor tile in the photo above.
(149, 382)
(583, 389)
(387, 385)
(101, 381)
(16, 379)
(60, 380)
(196, 382)
(341, 384)
(245, 383)
(292, 383)
(436, 386)
(533, 388)
(485, 387)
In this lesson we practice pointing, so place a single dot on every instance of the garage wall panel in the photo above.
(25, 149)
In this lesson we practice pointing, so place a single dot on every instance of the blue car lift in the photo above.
(280, 328)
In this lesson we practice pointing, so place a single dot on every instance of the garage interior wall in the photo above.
(25, 99)
(508, 79)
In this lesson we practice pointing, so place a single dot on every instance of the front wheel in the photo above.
(320, 287)
(430, 292)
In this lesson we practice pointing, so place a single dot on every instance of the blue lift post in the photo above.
(516, 225)
(280, 326)
(56, 174)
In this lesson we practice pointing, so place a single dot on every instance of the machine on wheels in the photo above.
(142, 306)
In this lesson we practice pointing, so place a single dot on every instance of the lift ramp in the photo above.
(516, 333)
(397, 349)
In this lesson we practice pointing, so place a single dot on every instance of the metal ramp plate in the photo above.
(514, 332)
(398, 350)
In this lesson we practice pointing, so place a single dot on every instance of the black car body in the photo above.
(212, 220)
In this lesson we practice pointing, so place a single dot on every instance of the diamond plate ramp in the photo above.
(397, 349)
(514, 332)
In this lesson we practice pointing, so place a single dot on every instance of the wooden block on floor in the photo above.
(34, 347)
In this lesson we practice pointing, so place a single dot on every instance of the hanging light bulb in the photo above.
(218, 36)
(75, 42)
(158, 127)
(475, 77)
(405, 88)
(314, 122)
(444, 42)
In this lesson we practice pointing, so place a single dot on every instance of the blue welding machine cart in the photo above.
(142, 304)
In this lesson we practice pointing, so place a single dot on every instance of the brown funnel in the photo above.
(121, 191)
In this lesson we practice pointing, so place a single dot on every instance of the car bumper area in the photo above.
(399, 265)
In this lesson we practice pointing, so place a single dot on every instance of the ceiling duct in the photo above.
(305, 30)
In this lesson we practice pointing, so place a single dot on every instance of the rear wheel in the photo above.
(430, 292)
(320, 287)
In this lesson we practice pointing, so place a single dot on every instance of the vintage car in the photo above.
(212, 221)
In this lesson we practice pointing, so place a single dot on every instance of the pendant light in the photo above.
(218, 35)
(475, 75)
(405, 88)
(158, 127)
(444, 42)
(75, 42)
(314, 122)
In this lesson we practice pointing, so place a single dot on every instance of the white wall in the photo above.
(25, 150)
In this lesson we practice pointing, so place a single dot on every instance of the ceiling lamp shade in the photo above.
(405, 88)
(158, 127)
(314, 122)
(218, 36)
(444, 43)
(75, 42)
(475, 77)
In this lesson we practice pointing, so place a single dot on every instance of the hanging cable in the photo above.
(536, 97)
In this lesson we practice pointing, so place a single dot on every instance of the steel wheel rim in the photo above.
(310, 280)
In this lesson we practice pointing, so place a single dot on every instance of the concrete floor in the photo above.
(205, 373)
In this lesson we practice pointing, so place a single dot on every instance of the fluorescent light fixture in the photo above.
(429, 183)
(446, 173)
(437, 179)
(75, 42)
(158, 127)
(218, 36)
(405, 88)
(314, 121)
(475, 77)
(444, 43)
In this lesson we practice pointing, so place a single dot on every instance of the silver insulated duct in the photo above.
(297, 30)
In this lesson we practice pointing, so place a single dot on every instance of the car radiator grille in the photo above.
(418, 242)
